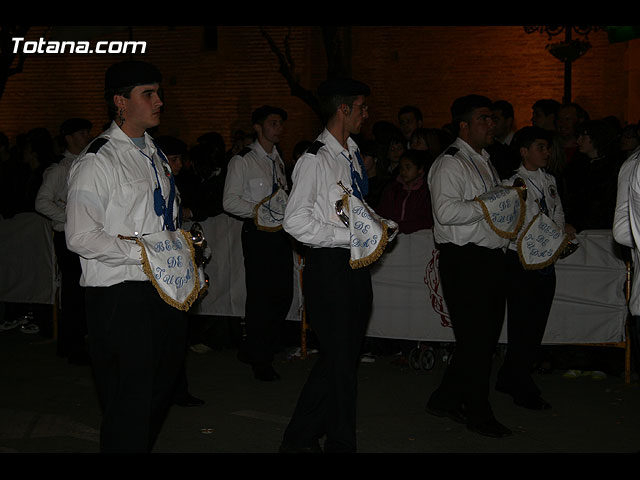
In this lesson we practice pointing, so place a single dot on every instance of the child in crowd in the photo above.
(407, 200)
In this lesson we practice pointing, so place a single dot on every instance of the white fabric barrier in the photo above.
(227, 292)
(589, 305)
(27, 260)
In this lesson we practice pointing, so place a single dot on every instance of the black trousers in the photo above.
(268, 264)
(137, 345)
(529, 297)
(72, 324)
(474, 287)
(338, 304)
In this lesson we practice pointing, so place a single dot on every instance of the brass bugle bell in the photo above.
(342, 214)
(199, 247)
(568, 249)
(520, 184)
(197, 234)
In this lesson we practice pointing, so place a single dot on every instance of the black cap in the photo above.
(260, 114)
(347, 87)
(131, 73)
(72, 125)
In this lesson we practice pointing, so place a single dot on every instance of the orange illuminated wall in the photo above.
(214, 86)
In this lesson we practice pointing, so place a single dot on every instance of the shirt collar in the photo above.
(464, 146)
(257, 146)
(115, 133)
(334, 146)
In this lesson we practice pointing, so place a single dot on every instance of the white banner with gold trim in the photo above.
(370, 234)
(504, 209)
(269, 213)
(541, 243)
(168, 260)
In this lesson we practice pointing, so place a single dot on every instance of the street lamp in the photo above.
(567, 51)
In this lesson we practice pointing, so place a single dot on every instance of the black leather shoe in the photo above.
(189, 401)
(456, 414)
(532, 401)
(489, 428)
(266, 373)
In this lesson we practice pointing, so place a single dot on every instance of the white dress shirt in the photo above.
(621, 222)
(626, 222)
(111, 193)
(540, 185)
(52, 196)
(250, 179)
(455, 179)
(310, 216)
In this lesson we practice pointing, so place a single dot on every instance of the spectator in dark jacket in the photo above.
(407, 200)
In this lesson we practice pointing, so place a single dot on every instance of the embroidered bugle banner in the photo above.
(168, 260)
(269, 213)
(504, 209)
(369, 235)
(541, 243)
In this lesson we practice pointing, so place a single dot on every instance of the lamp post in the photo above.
(567, 51)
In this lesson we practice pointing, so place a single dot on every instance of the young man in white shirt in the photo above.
(472, 267)
(50, 202)
(253, 175)
(338, 298)
(122, 186)
(530, 292)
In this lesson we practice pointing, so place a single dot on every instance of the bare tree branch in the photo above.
(337, 47)
(7, 55)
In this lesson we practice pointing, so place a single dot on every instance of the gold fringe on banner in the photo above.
(146, 267)
(375, 255)
(502, 233)
(546, 263)
(255, 215)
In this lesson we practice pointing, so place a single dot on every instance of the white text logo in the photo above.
(68, 46)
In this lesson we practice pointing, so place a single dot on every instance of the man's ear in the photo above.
(523, 152)
(118, 101)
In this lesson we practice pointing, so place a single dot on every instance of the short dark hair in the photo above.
(329, 104)
(410, 109)
(602, 134)
(524, 137)
(463, 107)
(547, 105)
(504, 106)
(420, 158)
(171, 145)
(337, 91)
(260, 114)
(109, 93)
(582, 114)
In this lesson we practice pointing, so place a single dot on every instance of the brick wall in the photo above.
(215, 89)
